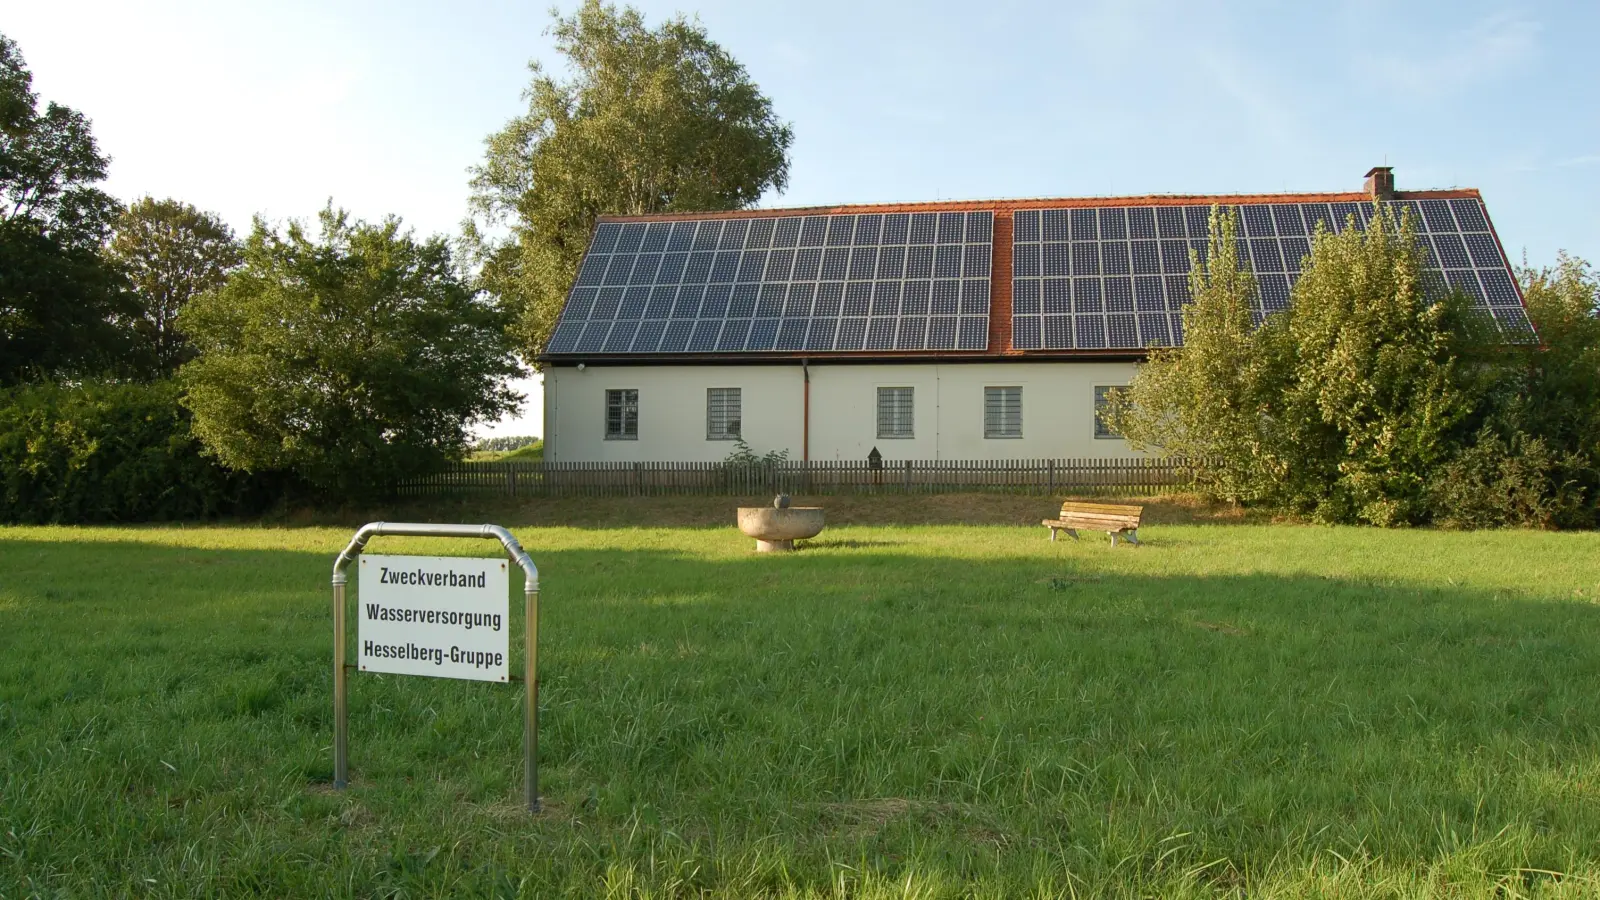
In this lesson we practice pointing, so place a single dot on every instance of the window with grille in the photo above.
(722, 414)
(895, 412)
(622, 414)
(1002, 412)
(1103, 395)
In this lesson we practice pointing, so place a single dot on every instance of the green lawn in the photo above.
(911, 711)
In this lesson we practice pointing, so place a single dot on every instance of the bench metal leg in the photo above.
(1073, 532)
(1052, 535)
(1113, 539)
(1133, 537)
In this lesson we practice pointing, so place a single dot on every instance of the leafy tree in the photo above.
(350, 358)
(1561, 388)
(1202, 401)
(1536, 458)
(650, 121)
(58, 301)
(1344, 406)
(171, 252)
(1377, 382)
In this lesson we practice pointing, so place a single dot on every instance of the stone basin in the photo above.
(777, 529)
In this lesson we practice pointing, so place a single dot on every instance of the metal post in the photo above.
(530, 588)
(341, 708)
(530, 684)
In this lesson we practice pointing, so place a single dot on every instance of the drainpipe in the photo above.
(805, 420)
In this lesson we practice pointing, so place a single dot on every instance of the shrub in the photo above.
(353, 358)
(111, 453)
(1497, 482)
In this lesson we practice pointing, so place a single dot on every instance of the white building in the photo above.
(950, 331)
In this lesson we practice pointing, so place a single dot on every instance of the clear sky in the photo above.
(273, 108)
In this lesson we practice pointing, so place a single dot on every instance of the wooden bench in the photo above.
(1108, 517)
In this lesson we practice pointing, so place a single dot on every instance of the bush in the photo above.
(111, 453)
(1497, 482)
(351, 359)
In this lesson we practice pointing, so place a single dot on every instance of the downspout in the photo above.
(805, 416)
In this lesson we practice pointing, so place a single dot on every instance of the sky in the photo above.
(274, 109)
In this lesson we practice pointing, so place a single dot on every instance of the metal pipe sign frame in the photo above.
(530, 675)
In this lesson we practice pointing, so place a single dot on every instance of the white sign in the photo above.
(445, 616)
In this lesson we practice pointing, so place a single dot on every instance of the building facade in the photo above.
(924, 411)
(940, 331)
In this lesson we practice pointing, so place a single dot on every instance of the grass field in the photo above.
(913, 710)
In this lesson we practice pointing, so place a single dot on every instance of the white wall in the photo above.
(1057, 410)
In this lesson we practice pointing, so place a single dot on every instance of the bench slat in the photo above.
(1072, 507)
(1098, 517)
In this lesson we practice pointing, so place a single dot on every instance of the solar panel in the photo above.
(594, 336)
(1024, 333)
(649, 337)
(819, 334)
(676, 337)
(852, 332)
(1057, 295)
(1153, 331)
(1152, 244)
(880, 333)
(733, 233)
(631, 237)
(1091, 332)
(1121, 331)
(715, 303)
(763, 334)
(792, 334)
(1058, 332)
(913, 333)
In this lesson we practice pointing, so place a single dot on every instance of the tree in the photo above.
(351, 358)
(1202, 401)
(171, 252)
(651, 121)
(1379, 381)
(1536, 457)
(59, 302)
(1561, 390)
(1343, 407)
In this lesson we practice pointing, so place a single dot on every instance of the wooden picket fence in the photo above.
(1079, 477)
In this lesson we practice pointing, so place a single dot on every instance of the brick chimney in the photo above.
(1380, 183)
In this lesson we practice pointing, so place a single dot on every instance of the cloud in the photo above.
(1428, 68)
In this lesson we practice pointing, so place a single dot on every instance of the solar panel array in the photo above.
(863, 282)
(1082, 278)
(1117, 277)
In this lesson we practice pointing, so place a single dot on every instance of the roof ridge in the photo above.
(1014, 204)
